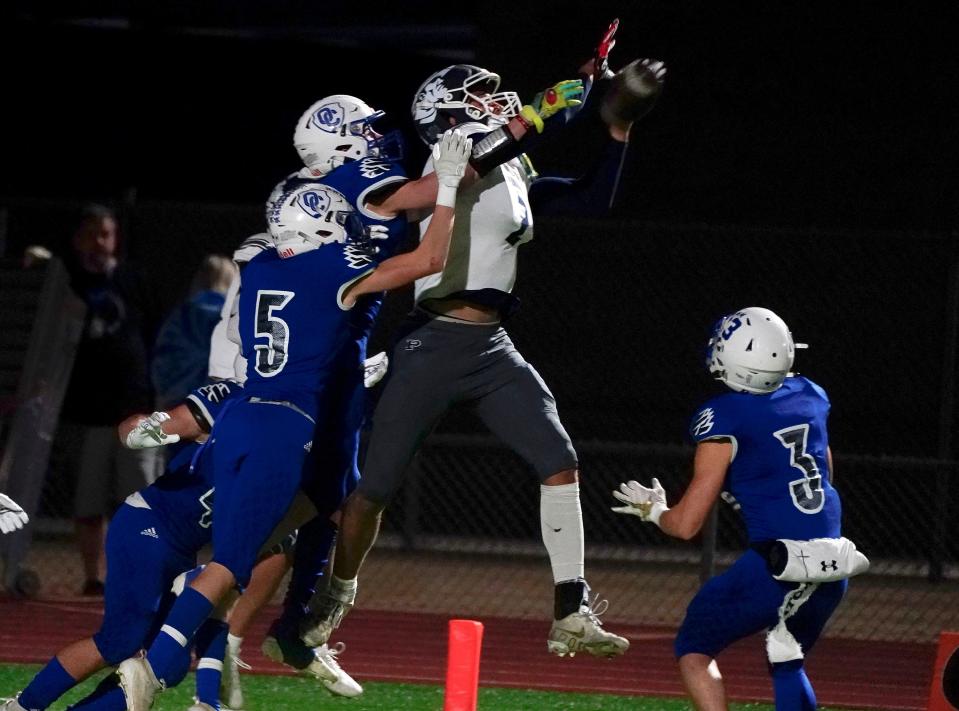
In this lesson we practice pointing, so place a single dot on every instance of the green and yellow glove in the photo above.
(548, 103)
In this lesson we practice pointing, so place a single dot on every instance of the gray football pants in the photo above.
(436, 364)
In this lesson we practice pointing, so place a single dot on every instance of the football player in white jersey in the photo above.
(339, 147)
(453, 348)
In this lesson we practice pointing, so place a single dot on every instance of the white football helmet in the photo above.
(465, 93)
(751, 351)
(339, 129)
(310, 216)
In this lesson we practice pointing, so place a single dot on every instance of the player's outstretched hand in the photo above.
(450, 155)
(633, 92)
(12, 517)
(647, 503)
(559, 97)
(148, 433)
(598, 65)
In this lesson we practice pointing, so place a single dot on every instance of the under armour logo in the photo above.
(412, 344)
(826, 566)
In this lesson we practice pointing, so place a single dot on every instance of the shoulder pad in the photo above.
(252, 246)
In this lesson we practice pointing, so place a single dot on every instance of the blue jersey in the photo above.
(358, 181)
(779, 473)
(293, 324)
(183, 497)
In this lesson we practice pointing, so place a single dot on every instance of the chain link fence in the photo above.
(615, 315)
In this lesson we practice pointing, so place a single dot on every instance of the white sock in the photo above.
(233, 644)
(561, 520)
(343, 590)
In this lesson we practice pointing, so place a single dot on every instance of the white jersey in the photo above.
(226, 359)
(492, 219)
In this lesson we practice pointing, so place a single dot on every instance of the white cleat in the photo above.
(345, 685)
(583, 632)
(231, 690)
(318, 626)
(322, 665)
(14, 704)
(139, 683)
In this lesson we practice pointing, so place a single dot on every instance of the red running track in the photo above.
(412, 647)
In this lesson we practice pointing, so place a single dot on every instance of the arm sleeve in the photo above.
(498, 146)
(591, 195)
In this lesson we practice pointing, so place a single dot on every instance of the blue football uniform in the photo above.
(779, 473)
(358, 181)
(780, 476)
(334, 472)
(155, 536)
(294, 329)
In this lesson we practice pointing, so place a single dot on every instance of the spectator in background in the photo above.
(109, 382)
(182, 348)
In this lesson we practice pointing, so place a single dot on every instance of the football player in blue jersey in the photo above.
(153, 538)
(766, 443)
(294, 323)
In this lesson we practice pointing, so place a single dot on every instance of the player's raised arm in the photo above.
(450, 155)
(687, 517)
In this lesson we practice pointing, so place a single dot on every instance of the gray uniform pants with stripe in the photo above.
(436, 364)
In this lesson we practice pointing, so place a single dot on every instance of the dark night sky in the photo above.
(781, 113)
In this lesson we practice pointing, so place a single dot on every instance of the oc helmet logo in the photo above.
(314, 202)
(329, 117)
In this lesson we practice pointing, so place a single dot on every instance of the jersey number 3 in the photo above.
(806, 493)
(271, 356)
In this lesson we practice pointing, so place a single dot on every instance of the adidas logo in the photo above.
(151, 532)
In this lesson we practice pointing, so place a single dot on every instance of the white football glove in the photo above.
(450, 155)
(379, 232)
(374, 368)
(149, 433)
(648, 504)
(12, 517)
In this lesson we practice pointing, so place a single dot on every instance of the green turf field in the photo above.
(280, 693)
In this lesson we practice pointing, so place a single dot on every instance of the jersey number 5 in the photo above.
(271, 356)
(806, 493)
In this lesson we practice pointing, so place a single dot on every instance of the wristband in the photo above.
(446, 195)
(656, 512)
(529, 114)
(523, 122)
